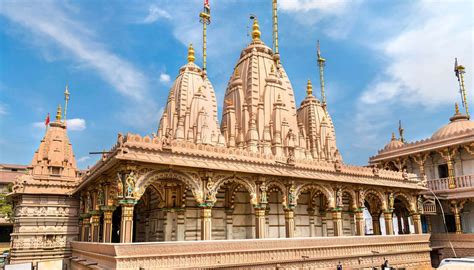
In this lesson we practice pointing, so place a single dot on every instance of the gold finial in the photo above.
(236, 72)
(272, 69)
(456, 108)
(191, 56)
(58, 114)
(255, 30)
(393, 136)
(309, 88)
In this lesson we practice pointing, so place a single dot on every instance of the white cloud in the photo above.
(155, 13)
(3, 109)
(420, 60)
(165, 78)
(327, 6)
(76, 124)
(53, 26)
(83, 159)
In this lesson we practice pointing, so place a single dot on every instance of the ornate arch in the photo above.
(276, 184)
(379, 195)
(409, 201)
(352, 195)
(193, 181)
(246, 183)
(326, 191)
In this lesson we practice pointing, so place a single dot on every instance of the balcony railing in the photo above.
(463, 181)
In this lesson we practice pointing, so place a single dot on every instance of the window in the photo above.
(443, 170)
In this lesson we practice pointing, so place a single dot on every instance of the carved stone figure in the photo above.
(292, 196)
(391, 200)
(263, 194)
(130, 185)
(339, 198)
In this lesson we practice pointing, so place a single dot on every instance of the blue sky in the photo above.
(386, 60)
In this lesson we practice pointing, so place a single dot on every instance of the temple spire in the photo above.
(205, 16)
(459, 70)
(191, 56)
(66, 99)
(321, 63)
(275, 27)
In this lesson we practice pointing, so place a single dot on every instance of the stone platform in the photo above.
(354, 252)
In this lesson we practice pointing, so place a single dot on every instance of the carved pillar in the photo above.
(428, 222)
(312, 230)
(448, 156)
(206, 223)
(406, 224)
(126, 228)
(95, 226)
(290, 223)
(86, 221)
(324, 225)
(352, 223)
(81, 227)
(260, 222)
(107, 228)
(376, 224)
(228, 223)
(180, 230)
(417, 223)
(337, 221)
(399, 222)
(388, 222)
(360, 223)
(457, 216)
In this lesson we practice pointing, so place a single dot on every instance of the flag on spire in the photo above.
(46, 121)
(207, 7)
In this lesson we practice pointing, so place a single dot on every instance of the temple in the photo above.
(264, 186)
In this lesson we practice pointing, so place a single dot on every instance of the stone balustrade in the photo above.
(464, 181)
(409, 251)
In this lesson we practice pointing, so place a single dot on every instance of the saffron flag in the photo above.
(46, 121)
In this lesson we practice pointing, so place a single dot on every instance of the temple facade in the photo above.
(265, 186)
(445, 164)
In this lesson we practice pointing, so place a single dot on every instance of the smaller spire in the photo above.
(58, 114)
(255, 30)
(393, 136)
(309, 88)
(456, 108)
(191, 56)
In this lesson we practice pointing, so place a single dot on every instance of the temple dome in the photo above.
(459, 123)
(191, 109)
(393, 144)
(259, 112)
(319, 134)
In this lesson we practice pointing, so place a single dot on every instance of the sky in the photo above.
(385, 61)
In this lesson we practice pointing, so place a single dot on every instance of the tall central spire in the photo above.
(205, 16)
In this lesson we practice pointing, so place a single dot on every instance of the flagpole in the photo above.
(205, 20)
(459, 71)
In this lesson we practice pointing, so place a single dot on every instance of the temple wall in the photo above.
(44, 226)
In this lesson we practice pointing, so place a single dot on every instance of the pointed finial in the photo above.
(191, 56)
(255, 30)
(393, 136)
(456, 108)
(400, 131)
(309, 88)
(272, 69)
(58, 114)
(236, 72)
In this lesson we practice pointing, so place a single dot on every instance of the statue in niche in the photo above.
(130, 184)
(119, 186)
(100, 197)
(420, 204)
(339, 198)
(263, 194)
(405, 174)
(292, 196)
(361, 199)
(391, 201)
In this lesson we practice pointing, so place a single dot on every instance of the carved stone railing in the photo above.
(408, 251)
(464, 181)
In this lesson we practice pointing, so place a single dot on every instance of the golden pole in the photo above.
(459, 70)
(275, 27)
(205, 20)
(321, 63)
